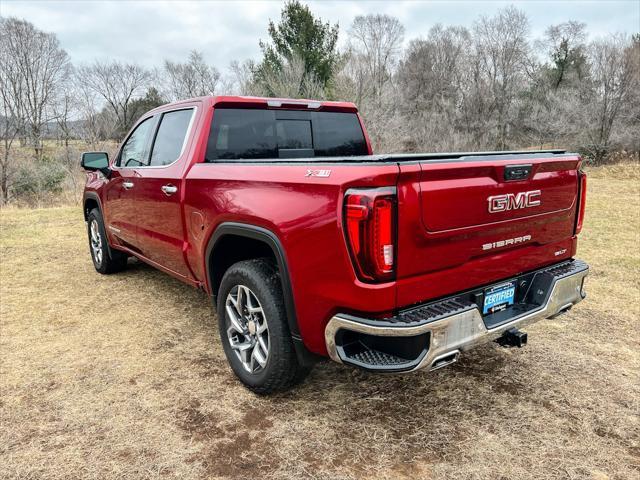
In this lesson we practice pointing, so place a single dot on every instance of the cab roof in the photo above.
(229, 101)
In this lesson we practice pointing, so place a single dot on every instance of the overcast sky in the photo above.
(150, 31)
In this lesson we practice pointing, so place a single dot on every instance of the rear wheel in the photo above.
(254, 329)
(105, 260)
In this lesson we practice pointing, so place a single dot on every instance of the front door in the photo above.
(120, 211)
(120, 193)
(161, 234)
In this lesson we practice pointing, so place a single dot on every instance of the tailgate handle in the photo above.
(517, 172)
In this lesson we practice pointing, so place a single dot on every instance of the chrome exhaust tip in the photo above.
(444, 360)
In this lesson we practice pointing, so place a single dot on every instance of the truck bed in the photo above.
(412, 157)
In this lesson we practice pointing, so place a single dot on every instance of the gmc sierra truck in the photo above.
(311, 246)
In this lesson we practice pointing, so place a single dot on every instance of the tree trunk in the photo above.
(4, 186)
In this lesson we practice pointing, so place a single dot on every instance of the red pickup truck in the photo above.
(311, 246)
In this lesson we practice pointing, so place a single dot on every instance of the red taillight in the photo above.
(370, 224)
(582, 197)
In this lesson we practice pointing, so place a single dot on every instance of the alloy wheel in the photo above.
(247, 328)
(96, 242)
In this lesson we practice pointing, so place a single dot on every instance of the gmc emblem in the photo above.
(513, 201)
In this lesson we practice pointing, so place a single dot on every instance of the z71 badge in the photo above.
(318, 173)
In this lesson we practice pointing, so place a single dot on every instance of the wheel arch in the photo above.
(263, 242)
(90, 201)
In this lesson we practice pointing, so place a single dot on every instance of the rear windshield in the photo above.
(239, 134)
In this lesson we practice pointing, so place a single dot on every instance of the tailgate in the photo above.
(469, 222)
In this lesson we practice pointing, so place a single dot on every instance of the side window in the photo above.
(170, 138)
(134, 151)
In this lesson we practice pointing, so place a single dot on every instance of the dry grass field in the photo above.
(124, 377)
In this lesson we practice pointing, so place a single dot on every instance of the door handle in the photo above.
(169, 189)
(127, 185)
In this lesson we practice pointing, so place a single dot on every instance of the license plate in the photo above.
(498, 298)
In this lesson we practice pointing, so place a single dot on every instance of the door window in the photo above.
(170, 138)
(135, 150)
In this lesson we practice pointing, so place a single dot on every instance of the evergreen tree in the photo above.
(140, 106)
(299, 36)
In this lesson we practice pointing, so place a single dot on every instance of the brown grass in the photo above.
(124, 377)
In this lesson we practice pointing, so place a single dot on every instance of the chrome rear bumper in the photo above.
(460, 328)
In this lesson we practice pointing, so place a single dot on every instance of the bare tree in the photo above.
(64, 111)
(35, 67)
(241, 78)
(291, 80)
(12, 115)
(626, 135)
(613, 72)
(376, 42)
(117, 84)
(433, 83)
(503, 58)
(67, 111)
(193, 78)
(556, 89)
(9, 129)
(95, 123)
(350, 81)
(565, 46)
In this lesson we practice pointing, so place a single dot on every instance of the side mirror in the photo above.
(96, 161)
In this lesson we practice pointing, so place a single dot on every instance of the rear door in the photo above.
(159, 192)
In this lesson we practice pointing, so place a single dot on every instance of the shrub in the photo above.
(34, 181)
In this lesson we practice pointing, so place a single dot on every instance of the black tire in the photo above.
(105, 260)
(282, 369)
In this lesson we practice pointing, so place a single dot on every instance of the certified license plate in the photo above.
(499, 297)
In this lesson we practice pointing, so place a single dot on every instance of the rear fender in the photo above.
(273, 242)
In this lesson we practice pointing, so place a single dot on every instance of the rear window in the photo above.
(258, 134)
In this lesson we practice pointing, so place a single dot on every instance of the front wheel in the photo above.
(104, 260)
(254, 330)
